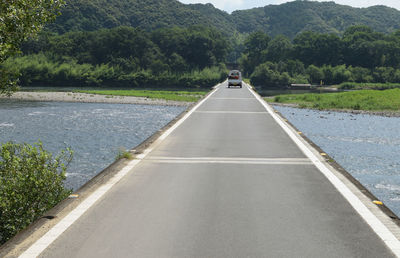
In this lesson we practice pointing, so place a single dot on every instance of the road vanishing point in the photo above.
(230, 179)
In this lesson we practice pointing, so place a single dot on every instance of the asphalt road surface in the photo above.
(228, 182)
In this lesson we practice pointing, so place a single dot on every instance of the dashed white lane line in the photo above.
(380, 229)
(232, 160)
(42, 243)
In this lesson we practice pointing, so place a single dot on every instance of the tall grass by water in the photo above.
(369, 100)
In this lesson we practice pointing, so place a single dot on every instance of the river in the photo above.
(367, 146)
(94, 131)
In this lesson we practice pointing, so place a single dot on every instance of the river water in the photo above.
(367, 146)
(94, 131)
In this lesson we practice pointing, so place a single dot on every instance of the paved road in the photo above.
(228, 182)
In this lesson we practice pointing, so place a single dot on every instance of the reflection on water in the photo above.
(366, 146)
(95, 131)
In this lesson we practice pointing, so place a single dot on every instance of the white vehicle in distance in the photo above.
(235, 78)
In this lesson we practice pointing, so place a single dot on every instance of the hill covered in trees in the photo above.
(325, 17)
(288, 19)
(86, 15)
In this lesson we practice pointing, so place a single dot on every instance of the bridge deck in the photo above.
(228, 182)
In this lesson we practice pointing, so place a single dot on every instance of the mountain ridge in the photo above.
(288, 19)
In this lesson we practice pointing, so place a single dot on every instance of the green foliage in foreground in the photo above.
(368, 86)
(31, 182)
(372, 100)
(189, 96)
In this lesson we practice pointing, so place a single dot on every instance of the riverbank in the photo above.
(92, 98)
(372, 102)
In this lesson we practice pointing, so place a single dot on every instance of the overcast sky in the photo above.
(231, 5)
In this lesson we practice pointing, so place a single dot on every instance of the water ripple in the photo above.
(95, 131)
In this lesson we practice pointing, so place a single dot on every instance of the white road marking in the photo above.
(234, 160)
(380, 229)
(42, 243)
(230, 112)
(234, 98)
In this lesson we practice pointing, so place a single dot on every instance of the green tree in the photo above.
(255, 49)
(21, 19)
(318, 49)
(279, 48)
(362, 47)
(267, 75)
(315, 73)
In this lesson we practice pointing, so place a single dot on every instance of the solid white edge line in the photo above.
(45, 241)
(377, 226)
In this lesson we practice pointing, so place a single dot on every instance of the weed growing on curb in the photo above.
(123, 154)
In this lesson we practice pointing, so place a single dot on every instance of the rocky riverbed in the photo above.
(90, 98)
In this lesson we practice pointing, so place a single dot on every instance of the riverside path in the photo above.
(227, 182)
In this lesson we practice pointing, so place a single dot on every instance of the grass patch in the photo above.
(189, 96)
(371, 100)
(123, 154)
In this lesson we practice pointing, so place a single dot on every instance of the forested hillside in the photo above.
(288, 19)
(327, 17)
(89, 15)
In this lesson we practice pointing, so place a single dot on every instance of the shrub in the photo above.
(268, 76)
(123, 154)
(31, 182)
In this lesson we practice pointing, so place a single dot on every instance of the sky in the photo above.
(232, 5)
